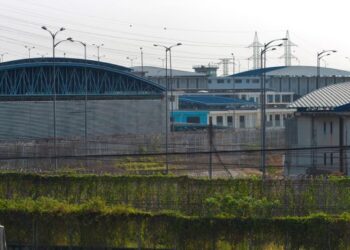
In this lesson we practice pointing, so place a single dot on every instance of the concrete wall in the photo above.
(318, 130)
(34, 119)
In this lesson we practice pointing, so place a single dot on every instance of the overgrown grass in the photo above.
(175, 212)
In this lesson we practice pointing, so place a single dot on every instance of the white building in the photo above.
(250, 118)
(322, 126)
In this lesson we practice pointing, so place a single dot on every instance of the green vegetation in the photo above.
(175, 212)
(240, 206)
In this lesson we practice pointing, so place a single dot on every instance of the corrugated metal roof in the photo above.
(332, 96)
(308, 71)
(256, 72)
(160, 72)
(212, 100)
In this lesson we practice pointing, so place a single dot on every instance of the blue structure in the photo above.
(195, 117)
(257, 72)
(34, 77)
(209, 102)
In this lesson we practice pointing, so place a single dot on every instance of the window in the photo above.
(244, 97)
(242, 121)
(193, 119)
(331, 128)
(178, 83)
(228, 81)
(229, 121)
(210, 120)
(286, 98)
(331, 159)
(255, 81)
(277, 98)
(209, 81)
(238, 80)
(324, 128)
(270, 98)
(325, 159)
(277, 120)
(269, 121)
(220, 81)
(251, 99)
(219, 121)
(247, 81)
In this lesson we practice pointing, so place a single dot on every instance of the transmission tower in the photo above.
(225, 62)
(288, 56)
(256, 51)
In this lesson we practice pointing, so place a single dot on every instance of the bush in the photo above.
(240, 206)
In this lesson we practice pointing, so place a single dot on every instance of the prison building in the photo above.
(299, 80)
(321, 130)
(70, 98)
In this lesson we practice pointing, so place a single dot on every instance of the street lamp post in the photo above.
(233, 63)
(2, 56)
(98, 46)
(267, 47)
(167, 49)
(54, 45)
(86, 95)
(141, 50)
(161, 59)
(131, 59)
(320, 55)
(29, 48)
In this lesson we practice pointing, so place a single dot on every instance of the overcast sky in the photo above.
(208, 29)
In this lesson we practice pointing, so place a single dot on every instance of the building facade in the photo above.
(320, 133)
(82, 96)
(180, 80)
(299, 80)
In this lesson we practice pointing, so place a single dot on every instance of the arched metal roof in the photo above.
(35, 77)
(307, 71)
(326, 98)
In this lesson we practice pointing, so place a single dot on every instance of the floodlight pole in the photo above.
(86, 94)
(2, 56)
(167, 49)
(141, 50)
(29, 48)
(320, 55)
(54, 45)
(267, 47)
(98, 46)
